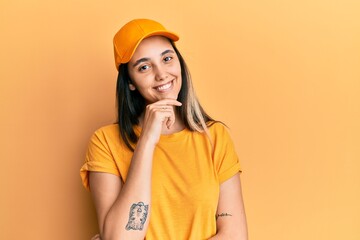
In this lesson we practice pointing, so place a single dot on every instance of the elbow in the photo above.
(107, 234)
(109, 237)
(121, 235)
(111, 231)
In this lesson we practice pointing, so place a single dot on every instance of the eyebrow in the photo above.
(148, 59)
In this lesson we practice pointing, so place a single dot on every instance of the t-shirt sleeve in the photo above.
(226, 160)
(98, 158)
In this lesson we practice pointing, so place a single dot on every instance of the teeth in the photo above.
(164, 87)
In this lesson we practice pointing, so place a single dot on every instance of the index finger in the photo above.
(168, 101)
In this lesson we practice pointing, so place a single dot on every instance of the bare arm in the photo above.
(123, 209)
(231, 219)
(114, 200)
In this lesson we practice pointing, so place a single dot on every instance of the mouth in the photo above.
(164, 87)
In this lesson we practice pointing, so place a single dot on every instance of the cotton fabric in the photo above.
(187, 172)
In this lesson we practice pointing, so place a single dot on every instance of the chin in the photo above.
(173, 96)
(168, 96)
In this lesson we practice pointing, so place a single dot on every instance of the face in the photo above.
(155, 70)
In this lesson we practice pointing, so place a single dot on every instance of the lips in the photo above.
(164, 87)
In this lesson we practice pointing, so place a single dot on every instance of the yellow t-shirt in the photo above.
(187, 173)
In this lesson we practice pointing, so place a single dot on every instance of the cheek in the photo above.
(141, 81)
(136, 78)
(178, 73)
(176, 70)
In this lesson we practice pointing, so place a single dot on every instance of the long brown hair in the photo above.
(131, 104)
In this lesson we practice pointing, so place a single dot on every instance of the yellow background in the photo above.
(284, 76)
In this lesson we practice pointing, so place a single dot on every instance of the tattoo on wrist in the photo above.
(137, 216)
(223, 215)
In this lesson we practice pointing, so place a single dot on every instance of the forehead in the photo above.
(151, 47)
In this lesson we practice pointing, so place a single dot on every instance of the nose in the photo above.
(160, 74)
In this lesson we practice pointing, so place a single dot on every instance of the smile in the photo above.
(164, 87)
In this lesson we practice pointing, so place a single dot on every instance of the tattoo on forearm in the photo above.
(137, 216)
(223, 215)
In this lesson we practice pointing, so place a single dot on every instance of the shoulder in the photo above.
(110, 135)
(220, 135)
(111, 128)
(108, 130)
(217, 128)
(106, 134)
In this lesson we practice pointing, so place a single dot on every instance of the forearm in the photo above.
(240, 235)
(136, 190)
(222, 235)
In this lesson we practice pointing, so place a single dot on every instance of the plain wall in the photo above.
(283, 75)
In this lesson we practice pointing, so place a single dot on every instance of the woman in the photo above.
(166, 170)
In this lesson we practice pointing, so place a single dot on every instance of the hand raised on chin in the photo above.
(157, 115)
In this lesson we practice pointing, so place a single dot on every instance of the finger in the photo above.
(162, 108)
(170, 120)
(165, 108)
(163, 113)
(169, 123)
(157, 107)
(96, 237)
(171, 102)
(161, 105)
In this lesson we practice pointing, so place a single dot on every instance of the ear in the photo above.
(132, 87)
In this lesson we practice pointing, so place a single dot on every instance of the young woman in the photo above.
(166, 170)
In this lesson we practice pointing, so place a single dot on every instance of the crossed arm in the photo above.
(231, 219)
(123, 209)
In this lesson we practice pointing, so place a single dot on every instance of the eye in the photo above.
(144, 68)
(168, 58)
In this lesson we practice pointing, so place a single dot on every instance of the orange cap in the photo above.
(131, 34)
